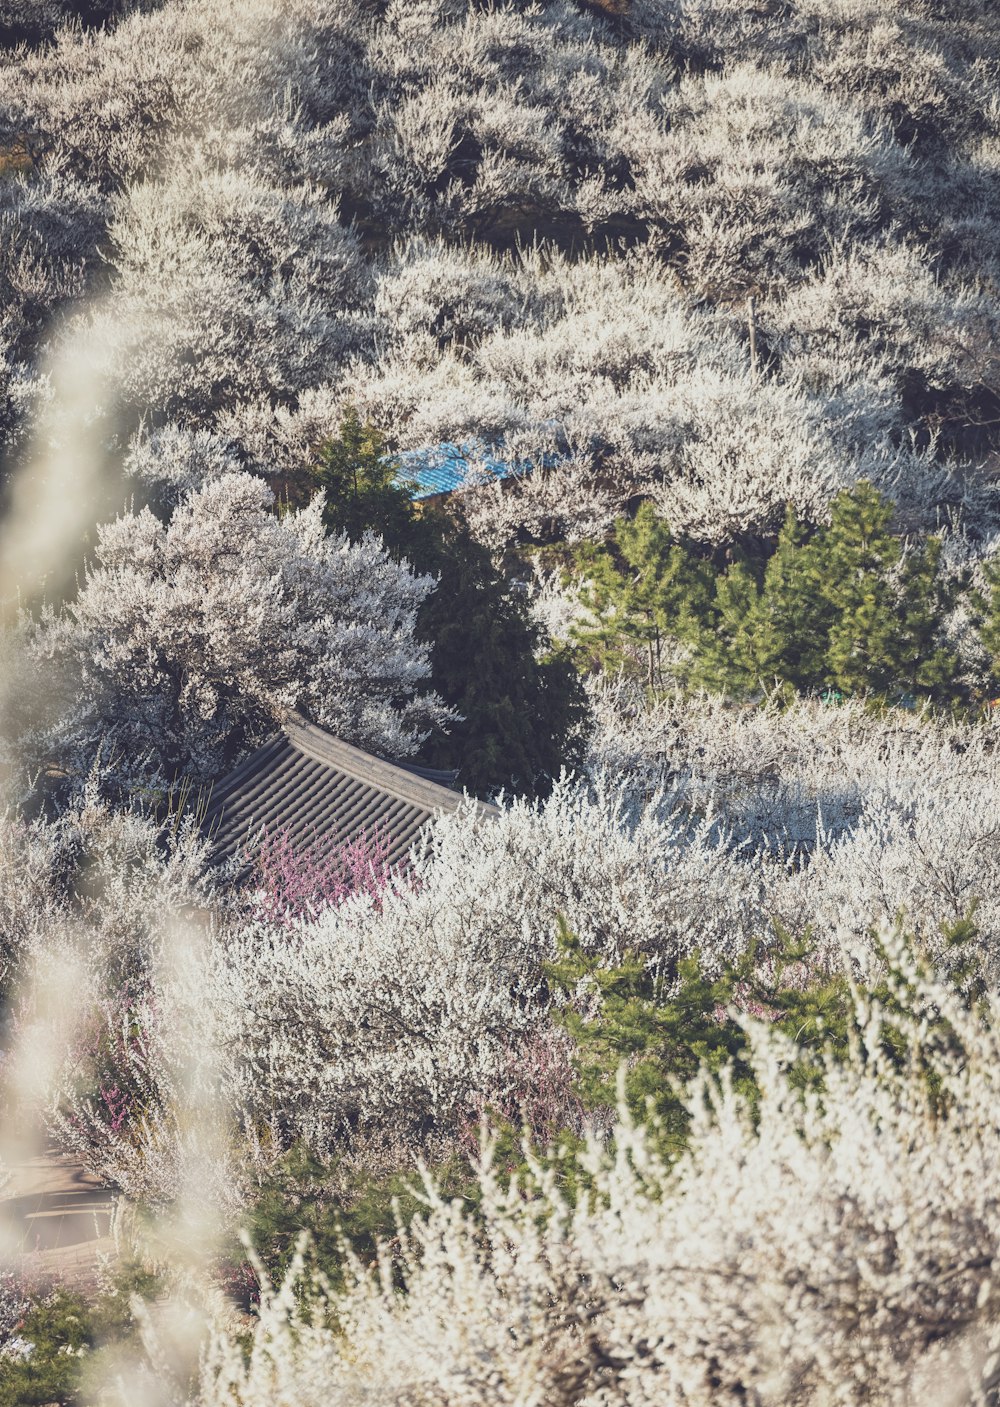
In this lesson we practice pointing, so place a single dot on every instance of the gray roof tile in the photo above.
(323, 793)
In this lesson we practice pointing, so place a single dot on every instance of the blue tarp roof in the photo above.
(446, 467)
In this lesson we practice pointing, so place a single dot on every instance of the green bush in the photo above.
(657, 1030)
(661, 1028)
(337, 1209)
(651, 1029)
(68, 1333)
(840, 608)
(60, 1332)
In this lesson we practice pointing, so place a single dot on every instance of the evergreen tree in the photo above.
(795, 613)
(825, 614)
(640, 589)
(663, 1027)
(856, 554)
(360, 479)
(842, 607)
(989, 619)
(522, 708)
(767, 623)
(924, 663)
(656, 1030)
(886, 606)
(727, 640)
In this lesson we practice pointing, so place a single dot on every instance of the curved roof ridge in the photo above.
(388, 777)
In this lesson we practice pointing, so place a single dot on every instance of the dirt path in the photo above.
(55, 1219)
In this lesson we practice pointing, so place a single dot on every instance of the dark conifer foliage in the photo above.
(845, 609)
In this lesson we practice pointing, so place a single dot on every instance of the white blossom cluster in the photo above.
(804, 1248)
(806, 1251)
(852, 819)
(12, 1307)
(116, 875)
(417, 209)
(190, 639)
(727, 255)
(394, 1016)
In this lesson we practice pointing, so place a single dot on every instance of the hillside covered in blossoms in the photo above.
(499, 682)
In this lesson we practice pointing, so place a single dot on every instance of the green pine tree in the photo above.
(857, 554)
(661, 1028)
(988, 607)
(925, 664)
(839, 608)
(522, 707)
(889, 606)
(665, 1027)
(795, 612)
(770, 622)
(726, 639)
(642, 588)
(360, 477)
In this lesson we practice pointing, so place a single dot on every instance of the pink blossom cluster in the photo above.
(299, 881)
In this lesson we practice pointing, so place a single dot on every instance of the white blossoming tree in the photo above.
(188, 639)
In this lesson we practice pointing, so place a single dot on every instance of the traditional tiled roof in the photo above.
(322, 793)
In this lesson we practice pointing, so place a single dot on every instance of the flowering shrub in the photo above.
(839, 172)
(187, 641)
(115, 876)
(12, 1305)
(395, 1010)
(295, 882)
(535, 1091)
(809, 1250)
(136, 1096)
(726, 257)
